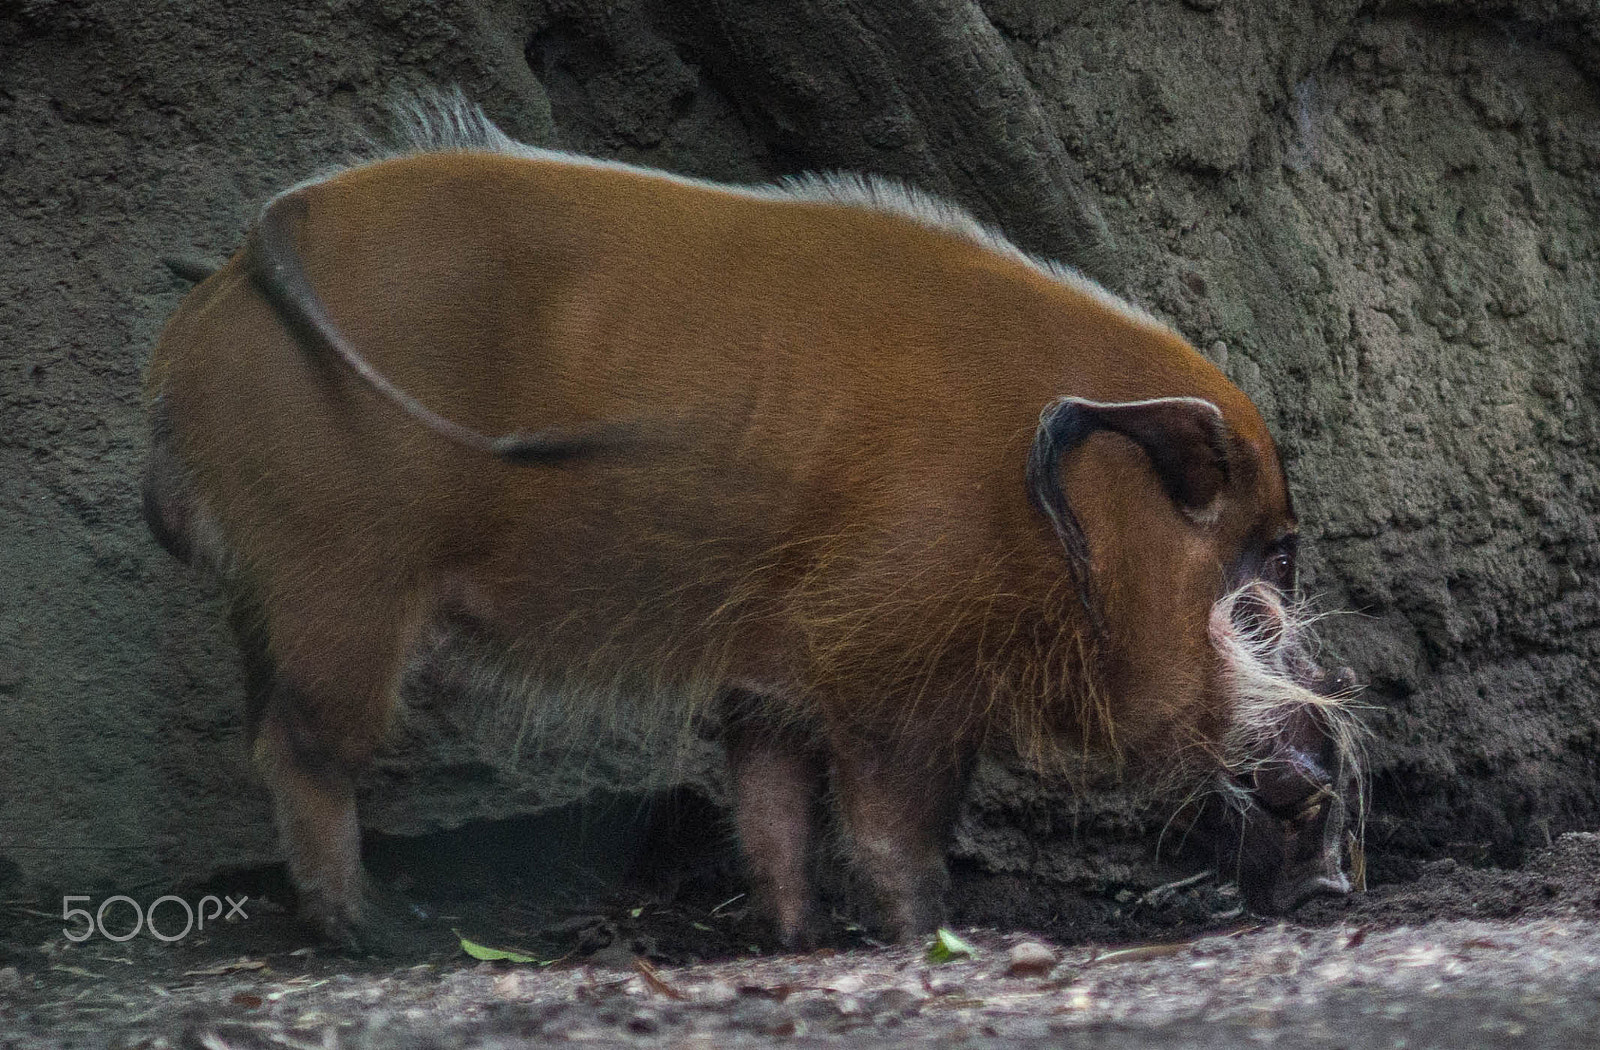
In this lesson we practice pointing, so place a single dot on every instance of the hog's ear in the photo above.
(1185, 438)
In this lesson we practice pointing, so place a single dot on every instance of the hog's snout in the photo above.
(1285, 861)
(1292, 826)
(1288, 786)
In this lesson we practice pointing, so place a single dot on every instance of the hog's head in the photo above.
(1291, 777)
(1178, 526)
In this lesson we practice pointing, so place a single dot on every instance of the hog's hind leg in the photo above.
(323, 667)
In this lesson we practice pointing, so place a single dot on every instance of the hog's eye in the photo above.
(1279, 566)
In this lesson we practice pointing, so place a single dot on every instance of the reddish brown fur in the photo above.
(832, 518)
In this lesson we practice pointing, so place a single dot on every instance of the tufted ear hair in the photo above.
(1185, 438)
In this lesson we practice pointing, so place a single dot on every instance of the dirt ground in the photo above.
(1456, 957)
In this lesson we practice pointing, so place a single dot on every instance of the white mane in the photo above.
(446, 122)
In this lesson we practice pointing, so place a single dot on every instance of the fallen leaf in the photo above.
(947, 947)
(1139, 953)
(486, 954)
(654, 980)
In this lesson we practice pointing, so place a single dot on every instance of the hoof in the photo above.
(378, 926)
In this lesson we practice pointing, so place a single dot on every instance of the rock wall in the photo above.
(1379, 217)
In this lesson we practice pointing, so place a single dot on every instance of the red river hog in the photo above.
(828, 465)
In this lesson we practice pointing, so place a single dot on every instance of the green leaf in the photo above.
(947, 947)
(487, 954)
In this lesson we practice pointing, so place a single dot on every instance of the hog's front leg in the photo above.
(897, 803)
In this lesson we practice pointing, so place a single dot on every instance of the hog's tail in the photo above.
(171, 504)
(167, 497)
(278, 272)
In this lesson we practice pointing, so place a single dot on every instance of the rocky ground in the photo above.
(1457, 957)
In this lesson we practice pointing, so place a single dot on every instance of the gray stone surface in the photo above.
(1379, 218)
